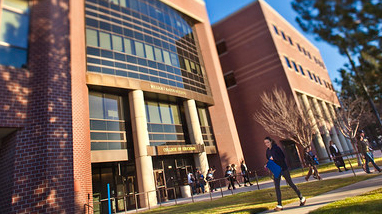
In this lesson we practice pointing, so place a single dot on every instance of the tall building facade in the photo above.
(125, 95)
(259, 50)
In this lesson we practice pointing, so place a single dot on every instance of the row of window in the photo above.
(143, 69)
(14, 26)
(139, 42)
(299, 69)
(150, 11)
(300, 48)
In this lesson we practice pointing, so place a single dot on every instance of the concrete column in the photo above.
(322, 122)
(319, 143)
(344, 142)
(201, 161)
(143, 162)
(333, 128)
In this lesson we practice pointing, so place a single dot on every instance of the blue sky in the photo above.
(218, 9)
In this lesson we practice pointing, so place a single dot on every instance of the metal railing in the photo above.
(219, 183)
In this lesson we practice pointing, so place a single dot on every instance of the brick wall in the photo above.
(7, 157)
(42, 178)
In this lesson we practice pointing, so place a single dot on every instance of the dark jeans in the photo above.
(231, 182)
(246, 178)
(289, 181)
(370, 159)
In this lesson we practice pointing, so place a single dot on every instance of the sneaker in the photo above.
(346, 169)
(306, 178)
(251, 184)
(278, 208)
(302, 201)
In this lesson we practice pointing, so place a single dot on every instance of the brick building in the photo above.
(128, 93)
(259, 50)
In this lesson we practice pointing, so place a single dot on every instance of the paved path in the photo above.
(312, 203)
(332, 196)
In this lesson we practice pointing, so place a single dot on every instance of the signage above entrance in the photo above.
(175, 149)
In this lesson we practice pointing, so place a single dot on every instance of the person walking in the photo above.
(229, 176)
(210, 178)
(191, 182)
(337, 157)
(234, 175)
(311, 161)
(363, 149)
(275, 154)
(245, 172)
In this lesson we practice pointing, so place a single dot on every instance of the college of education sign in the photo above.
(175, 149)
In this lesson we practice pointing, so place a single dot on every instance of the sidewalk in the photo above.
(312, 203)
(332, 196)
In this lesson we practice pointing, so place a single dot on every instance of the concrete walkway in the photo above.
(311, 204)
(332, 196)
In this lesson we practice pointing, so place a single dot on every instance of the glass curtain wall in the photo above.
(107, 123)
(205, 125)
(14, 27)
(146, 40)
(164, 124)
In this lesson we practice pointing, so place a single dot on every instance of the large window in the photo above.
(145, 40)
(207, 132)
(164, 124)
(107, 124)
(14, 26)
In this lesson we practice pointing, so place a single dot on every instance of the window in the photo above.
(299, 47)
(310, 74)
(149, 52)
(14, 26)
(207, 131)
(92, 37)
(303, 50)
(287, 61)
(117, 43)
(221, 47)
(229, 79)
(319, 80)
(139, 49)
(290, 40)
(284, 37)
(310, 57)
(301, 70)
(107, 124)
(295, 66)
(276, 31)
(104, 40)
(326, 85)
(314, 77)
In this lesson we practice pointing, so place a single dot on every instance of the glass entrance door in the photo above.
(160, 183)
(121, 178)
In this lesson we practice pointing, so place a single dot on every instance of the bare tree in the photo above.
(280, 116)
(349, 117)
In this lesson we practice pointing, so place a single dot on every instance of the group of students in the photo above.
(231, 175)
(197, 181)
(277, 165)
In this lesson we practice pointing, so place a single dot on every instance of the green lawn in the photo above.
(259, 200)
(369, 203)
(326, 167)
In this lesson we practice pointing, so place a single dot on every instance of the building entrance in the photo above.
(121, 178)
(170, 174)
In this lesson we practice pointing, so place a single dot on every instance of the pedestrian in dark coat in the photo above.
(310, 160)
(275, 154)
(337, 157)
(363, 149)
(245, 172)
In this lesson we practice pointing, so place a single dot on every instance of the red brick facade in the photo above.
(39, 170)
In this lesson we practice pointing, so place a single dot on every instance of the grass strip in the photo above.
(260, 200)
(370, 203)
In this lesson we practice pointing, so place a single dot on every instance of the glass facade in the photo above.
(14, 26)
(205, 125)
(145, 40)
(107, 124)
(164, 124)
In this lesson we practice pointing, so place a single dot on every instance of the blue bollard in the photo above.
(108, 197)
